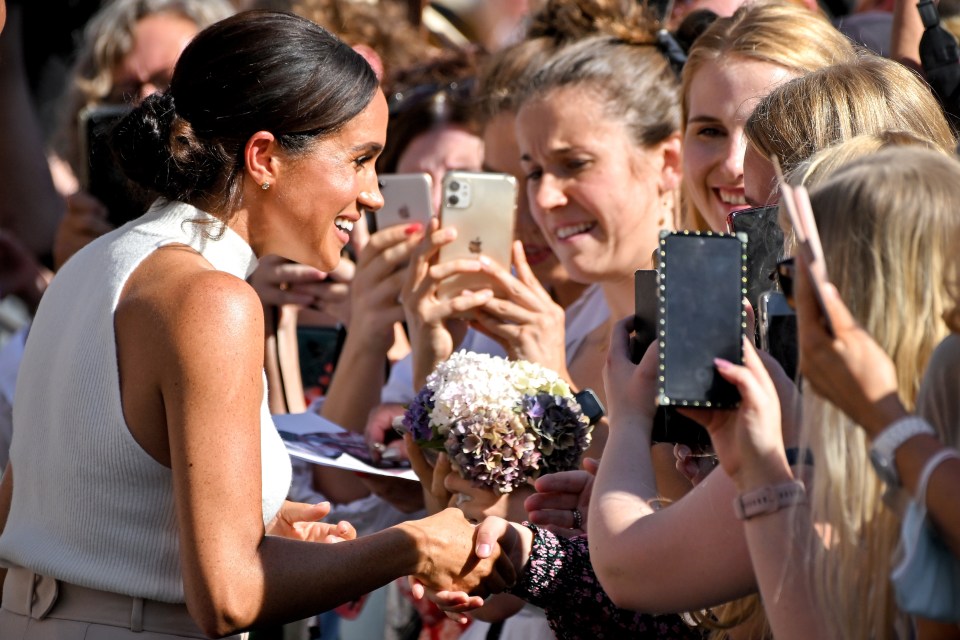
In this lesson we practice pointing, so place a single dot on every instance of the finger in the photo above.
(416, 589)
(591, 465)
(360, 235)
(487, 536)
(571, 482)
(294, 273)
(304, 512)
(418, 463)
(346, 531)
(558, 518)
(751, 317)
(449, 268)
(515, 289)
(503, 310)
(524, 272)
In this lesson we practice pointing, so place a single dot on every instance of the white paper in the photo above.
(302, 424)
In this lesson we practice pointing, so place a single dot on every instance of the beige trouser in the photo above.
(37, 607)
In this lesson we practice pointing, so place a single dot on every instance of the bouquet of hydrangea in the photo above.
(501, 422)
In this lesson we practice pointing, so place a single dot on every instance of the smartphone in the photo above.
(100, 175)
(482, 206)
(702, 316)
(406, 199)
(777, 324)
(668, 425)
(646, 302)
(764, 247)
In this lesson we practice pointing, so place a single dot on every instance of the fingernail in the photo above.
(483, 550)
(413, 228)
(484, 260)
(722, 365)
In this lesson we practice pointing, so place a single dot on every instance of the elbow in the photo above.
(220, 614)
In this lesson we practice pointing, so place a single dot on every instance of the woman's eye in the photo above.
(362, 160)
(576, 164)
(534, 174)
(710, 132)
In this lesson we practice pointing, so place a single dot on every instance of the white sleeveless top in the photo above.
(90, 506)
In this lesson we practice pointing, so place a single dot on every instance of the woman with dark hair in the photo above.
(150, 486)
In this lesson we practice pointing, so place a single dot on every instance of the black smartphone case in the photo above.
(764, 247)
(702, 317)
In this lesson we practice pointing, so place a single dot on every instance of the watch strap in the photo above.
(590, 405)
(769, 499)
(885, 445)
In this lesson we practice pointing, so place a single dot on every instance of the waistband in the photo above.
(29, 594)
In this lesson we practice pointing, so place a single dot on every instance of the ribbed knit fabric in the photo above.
(90, 506)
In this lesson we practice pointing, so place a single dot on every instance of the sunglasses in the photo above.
(458, 91)
(783, 275)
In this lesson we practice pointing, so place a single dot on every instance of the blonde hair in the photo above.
(887, 222)
(870, 94)
(778, 33)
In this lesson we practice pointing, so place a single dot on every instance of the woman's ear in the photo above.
(260, 156)
(672, 169)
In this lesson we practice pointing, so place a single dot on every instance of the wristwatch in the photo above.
(590, 404)
(885, 445)
(769, 499)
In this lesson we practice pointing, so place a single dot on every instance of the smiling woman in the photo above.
(165, 489)
(731, 66)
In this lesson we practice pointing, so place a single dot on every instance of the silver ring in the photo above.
(577, 519)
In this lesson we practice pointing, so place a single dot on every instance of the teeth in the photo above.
(565, 232)
(343, 224)
(732, 197)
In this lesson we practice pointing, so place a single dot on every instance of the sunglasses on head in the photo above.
(458, 90)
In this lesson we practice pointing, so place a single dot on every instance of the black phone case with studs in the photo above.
(702, 317)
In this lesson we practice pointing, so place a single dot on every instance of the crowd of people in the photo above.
(191, 243)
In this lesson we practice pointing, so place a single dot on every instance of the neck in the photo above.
(566, 293)
(619, 295)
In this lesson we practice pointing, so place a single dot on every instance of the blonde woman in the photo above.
(868, 95)
(733, 64)
(887, 224)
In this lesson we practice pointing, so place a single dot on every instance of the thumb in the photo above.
(303, 512)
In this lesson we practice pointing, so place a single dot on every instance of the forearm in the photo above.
(941, 497)
(906, 33)
(629, 539)
(560, 579)
(288, 579)
(355, 388)
(778, 545)
(33, 209)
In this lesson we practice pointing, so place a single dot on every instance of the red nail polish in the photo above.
(413, 228)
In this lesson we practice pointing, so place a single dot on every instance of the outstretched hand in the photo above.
(459, 557)
(558, 494)
(512, 540)
(299, 521)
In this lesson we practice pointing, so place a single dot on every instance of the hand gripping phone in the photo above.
(482, 207)
(702, 317)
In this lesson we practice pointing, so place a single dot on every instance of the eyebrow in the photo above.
(369, 147)
(704, 118)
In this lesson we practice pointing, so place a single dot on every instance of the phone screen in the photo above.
(702, 316)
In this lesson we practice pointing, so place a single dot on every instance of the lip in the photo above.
(555, 230)
(537, 253)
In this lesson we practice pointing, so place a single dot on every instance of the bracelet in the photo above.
(769, 499)
(929, 467)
